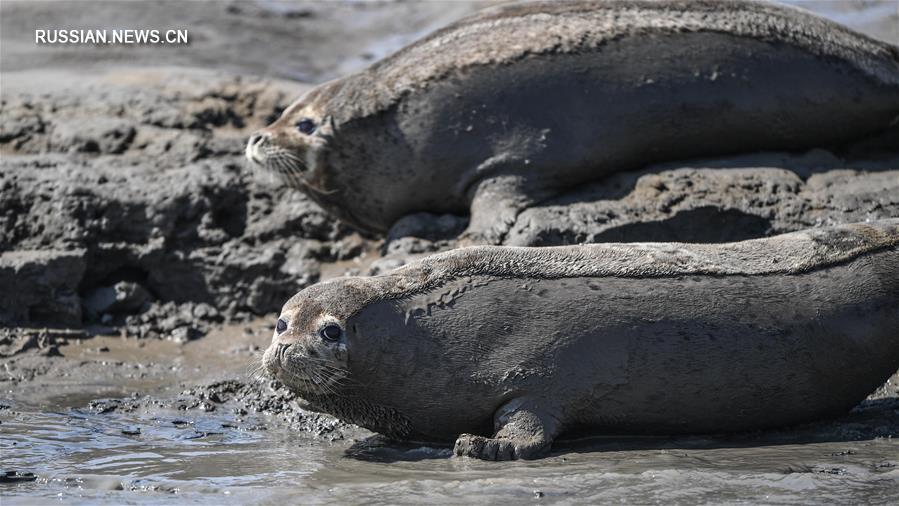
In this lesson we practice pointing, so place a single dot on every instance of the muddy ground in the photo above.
(142, 262)
(114, 420)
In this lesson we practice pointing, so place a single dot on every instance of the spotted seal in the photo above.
(503, 348)
(513, 105)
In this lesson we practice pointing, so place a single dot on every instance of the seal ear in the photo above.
(327, 128)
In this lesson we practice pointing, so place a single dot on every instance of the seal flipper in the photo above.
(523, 431)
(495, 205)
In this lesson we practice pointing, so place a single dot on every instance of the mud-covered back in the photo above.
(507, 34)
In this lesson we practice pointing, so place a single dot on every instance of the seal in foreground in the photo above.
(517, 345)
(513, 105)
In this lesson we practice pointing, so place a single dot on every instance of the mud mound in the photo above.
(703, 204)
(117, 202)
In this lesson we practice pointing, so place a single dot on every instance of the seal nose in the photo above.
(256, 139)
(281, 352)
(254, 147)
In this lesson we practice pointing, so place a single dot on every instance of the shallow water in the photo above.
(81, 456)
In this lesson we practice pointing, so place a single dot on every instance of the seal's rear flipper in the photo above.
(523, 431)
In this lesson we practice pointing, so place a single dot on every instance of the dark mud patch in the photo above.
(244, 405)
(713, 204)
(701, 225)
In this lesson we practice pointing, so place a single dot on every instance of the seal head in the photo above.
(295, 146)
(309, 349)
(312, 354)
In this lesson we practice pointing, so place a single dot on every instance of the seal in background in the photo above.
(515, 104)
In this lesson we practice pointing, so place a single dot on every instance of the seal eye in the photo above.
(306, 126)
(281, 326)
(330, 332)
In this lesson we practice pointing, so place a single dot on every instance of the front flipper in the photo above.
(495, 205)
(523, 431)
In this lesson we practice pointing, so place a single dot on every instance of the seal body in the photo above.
(510, 347)
(510, 106)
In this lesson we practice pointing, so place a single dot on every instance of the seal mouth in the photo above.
(286, 165)
(302, 373)
(263, 153)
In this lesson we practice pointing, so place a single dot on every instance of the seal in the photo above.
(516, 104)
(504, 348)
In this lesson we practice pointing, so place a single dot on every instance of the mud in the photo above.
(95, 232)
(758, 196)
(141, 264)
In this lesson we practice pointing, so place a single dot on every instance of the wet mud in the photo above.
(127, 420)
